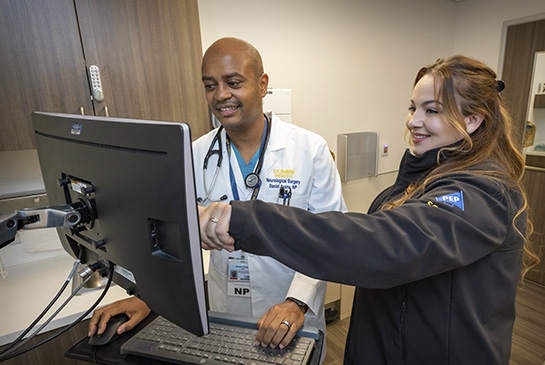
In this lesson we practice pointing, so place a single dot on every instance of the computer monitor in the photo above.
(136, 179)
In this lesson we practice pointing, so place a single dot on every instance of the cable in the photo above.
(11, 355)
(95, 361)
(29, 328)
(110, 278)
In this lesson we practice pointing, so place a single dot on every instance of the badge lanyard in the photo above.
(238, 282)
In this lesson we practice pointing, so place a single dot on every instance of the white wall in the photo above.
(480, 23)
(351, 63)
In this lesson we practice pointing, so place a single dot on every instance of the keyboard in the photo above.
(225, 344)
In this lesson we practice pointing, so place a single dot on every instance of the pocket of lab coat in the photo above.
(296, 200)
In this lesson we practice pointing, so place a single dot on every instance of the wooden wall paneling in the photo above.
(534, 182)
(42, 66)
(521, 44)
(149, 56)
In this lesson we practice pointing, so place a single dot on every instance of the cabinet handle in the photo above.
(82, 111)
(106, 111)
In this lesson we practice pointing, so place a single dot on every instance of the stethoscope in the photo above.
(252, 181)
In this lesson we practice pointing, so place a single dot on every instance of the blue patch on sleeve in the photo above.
(453, 200)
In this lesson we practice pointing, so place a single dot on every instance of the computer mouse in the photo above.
(110, 334)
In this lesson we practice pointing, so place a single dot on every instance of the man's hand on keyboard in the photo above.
(133, 307)
(275, 333)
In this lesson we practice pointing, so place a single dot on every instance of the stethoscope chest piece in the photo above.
(252, 180)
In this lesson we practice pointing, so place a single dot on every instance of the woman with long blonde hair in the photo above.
(436, 261)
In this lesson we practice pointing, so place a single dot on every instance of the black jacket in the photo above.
(436, 277)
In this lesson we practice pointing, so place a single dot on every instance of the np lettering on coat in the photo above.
(242, 291)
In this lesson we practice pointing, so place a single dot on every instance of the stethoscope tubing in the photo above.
(211, 151)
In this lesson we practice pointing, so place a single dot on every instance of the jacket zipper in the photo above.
(403, 325)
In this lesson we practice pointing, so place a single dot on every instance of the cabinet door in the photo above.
(534, 182)
(42, 66)
(149, 57)
(521, 44)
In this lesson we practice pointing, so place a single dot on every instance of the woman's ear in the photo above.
(473, 122)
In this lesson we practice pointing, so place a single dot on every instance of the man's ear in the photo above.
(264, 84)
(473, 122)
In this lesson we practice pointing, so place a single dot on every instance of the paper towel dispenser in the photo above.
(357, 155)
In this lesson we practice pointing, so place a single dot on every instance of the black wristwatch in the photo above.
(301, 304)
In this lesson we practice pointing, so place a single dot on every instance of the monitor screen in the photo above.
(135, 178)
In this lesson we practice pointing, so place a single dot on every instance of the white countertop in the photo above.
(28, 289)
(535, 153)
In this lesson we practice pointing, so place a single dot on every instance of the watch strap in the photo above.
(299, 303)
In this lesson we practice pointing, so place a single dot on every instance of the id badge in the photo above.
(238, 274)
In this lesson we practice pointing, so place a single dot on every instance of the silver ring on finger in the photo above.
(286, 323)
(214, 220)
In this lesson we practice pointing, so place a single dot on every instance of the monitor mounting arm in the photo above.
(55, 216)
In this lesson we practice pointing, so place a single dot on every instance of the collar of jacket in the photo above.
(413, 168)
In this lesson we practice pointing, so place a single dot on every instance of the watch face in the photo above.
(252, 180)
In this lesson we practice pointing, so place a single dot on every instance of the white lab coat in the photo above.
(301, 159)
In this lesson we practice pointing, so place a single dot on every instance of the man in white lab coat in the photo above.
(261, 158)
(296, 169)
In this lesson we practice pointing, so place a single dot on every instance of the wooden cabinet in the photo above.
(42, 66)
(534, 183)
(148, 52)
